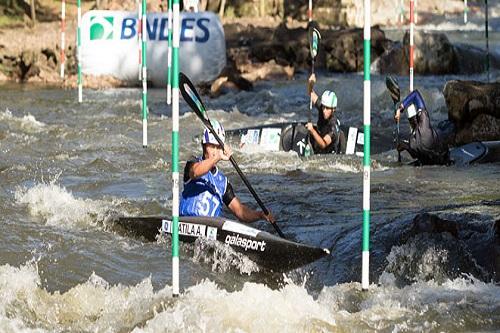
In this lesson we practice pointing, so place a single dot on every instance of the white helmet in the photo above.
(412, 111)
(208, 137)
(329, 99)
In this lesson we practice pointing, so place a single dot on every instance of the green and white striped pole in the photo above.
(144, 103)
(175, 148)
(79, 51)
(365, 266)
(169, 54)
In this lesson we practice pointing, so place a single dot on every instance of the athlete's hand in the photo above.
(225, 154)
(310, 127)
(269, 218)
(397, 115)
(310, 83)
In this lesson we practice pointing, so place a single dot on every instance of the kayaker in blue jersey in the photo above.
(206, 188)
(327, 137)
(424, 142)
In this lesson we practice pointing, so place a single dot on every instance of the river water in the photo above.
(68, 170)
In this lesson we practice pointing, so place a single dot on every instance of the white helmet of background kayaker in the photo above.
(208, 137)
(329, 99)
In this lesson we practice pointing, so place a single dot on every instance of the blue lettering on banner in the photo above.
(200, 25)
(152, 29)
(158, 29)
(163, 29)
(128, 28)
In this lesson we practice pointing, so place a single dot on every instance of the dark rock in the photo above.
(433, 53)
(472, 59)
(433, 224)
(344, 49)
(28, 65)
(474, 108)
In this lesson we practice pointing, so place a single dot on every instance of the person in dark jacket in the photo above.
(326, 136)
(424, 143)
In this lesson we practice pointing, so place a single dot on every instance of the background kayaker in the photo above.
(424, 142)
(327, 137)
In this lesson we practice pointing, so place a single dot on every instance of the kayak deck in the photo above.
(265, 249)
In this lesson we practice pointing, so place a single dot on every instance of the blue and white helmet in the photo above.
(208, 137)
(329, 99)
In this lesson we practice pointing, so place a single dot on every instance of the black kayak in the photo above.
(265, 249)
(292, 136)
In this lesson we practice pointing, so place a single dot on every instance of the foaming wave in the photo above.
(222, 257)
(462, 304)
(27, 124)
(431, 257)
(255, 308)
(93, 306)
(58, 207)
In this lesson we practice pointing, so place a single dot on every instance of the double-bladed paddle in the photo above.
(314, 38)
(393, 87)
(191, 97)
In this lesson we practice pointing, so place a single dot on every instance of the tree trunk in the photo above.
(98, 4)
(202, 5)
(222, 8)
(262, 8)
(33, 12)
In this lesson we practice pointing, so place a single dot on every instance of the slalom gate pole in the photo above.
(310, 11)
(175, 148)
(79, 51)
(365, 265)
(169, 55)
(144, 103)
(416, 11)
(63, 36)
(139, 37)
(412, 27)
(487, 40)
(466, 9)
(401, 12)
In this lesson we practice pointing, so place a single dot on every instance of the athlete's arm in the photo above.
(198, 169)
(324, 141)
(414, 98)
(245, 213)
(310, 90)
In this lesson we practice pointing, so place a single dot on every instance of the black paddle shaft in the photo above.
(393, 87)
(199, 109)
(313, 31)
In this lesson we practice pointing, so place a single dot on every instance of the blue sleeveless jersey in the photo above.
(203, 196)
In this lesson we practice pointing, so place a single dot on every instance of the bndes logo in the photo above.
(245, 243)
(101, 27)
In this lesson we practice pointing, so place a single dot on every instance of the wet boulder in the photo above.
(344, 49)
(433, 224)
(433, 54)
(474, 108)
(472, 59)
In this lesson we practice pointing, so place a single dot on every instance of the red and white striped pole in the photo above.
(63, 36)
(310, 11)
(412, 26)
(416, 11)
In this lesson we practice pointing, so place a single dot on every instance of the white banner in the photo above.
(110, 45)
